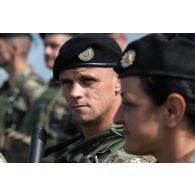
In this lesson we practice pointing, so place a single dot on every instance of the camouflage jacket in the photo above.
(106, 147)
(188, 158)
(50, 111)
(2, 159)
(15, 99)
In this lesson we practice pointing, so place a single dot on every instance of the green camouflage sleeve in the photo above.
(2, 159)
(33, 89)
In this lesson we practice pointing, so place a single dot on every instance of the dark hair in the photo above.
(159, 88)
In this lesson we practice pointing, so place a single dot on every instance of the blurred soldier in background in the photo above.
(120, 38)
(84, 68)
(50, 110)
(18, 92)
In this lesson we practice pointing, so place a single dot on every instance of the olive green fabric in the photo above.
(15, 100)
(106, 147)
(50, 111)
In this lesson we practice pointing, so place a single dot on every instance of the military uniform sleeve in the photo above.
(33, 89)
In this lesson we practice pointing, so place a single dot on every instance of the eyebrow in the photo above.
(63, 80)
(88, 76)
(82, 76)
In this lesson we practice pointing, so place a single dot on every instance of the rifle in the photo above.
(38, 141)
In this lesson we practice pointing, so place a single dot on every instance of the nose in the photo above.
(118, 119)
(47, 50)
(76, 90)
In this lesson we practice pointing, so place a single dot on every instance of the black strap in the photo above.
(60, 146)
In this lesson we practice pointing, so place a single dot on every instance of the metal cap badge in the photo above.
(128, 58)
(86, 55)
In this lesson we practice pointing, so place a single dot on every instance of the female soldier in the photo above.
(158, 91)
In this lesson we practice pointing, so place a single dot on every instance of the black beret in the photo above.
(154, 55)
(42, 35)
(87, 50)
(10, 35)
(190, 36)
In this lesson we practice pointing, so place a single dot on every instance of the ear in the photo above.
(117, 85)
(175, 107)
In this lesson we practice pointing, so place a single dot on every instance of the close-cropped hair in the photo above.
(24, 44)
(159, 88)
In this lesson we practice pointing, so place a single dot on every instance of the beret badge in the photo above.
(128, 58)
(86, 55)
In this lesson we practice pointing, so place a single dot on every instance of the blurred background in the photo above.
(36, 56)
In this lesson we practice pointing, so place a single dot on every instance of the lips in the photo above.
(78, 106)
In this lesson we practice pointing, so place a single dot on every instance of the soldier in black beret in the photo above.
(158, 97)
(91, 87)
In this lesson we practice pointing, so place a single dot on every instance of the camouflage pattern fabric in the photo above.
(2, 159)
(15, 101)
(106, 147)
(15, 146)
(50, 111)
(188, 158)
(26, 88)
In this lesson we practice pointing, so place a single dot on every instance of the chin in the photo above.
(132, 149)
(49, 65)
(80, 119)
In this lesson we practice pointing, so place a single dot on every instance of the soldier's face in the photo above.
(90, 92)
(143, 122)
(53, 43)
(5, 52)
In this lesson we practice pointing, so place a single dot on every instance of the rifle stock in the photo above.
(38, 141)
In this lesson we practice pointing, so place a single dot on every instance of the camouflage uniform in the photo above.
(106, 147)
(188, 158)
(50, 112)
(15, 101)
(2, 159)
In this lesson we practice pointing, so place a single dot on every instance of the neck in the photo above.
(18, 65)
(92, 130)
(176, 147)
(103, 123)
